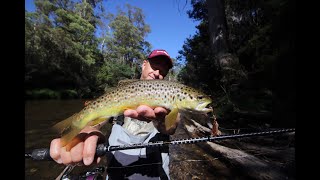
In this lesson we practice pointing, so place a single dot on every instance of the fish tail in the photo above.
(67, 130)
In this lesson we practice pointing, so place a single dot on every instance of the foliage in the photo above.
(200, 69)
(69, 94)
(42, 94)
(262, 36)
(63, 49)
(110, 73)
(46, 93)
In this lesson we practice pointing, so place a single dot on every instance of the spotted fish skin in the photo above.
(154, 93)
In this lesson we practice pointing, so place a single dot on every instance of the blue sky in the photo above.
(168, 20)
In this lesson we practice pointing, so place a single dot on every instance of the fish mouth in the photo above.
(204, 107)
(207, 110)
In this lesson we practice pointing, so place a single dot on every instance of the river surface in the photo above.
(187, 161)
(39, 117)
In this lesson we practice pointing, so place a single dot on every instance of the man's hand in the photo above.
(157, 115)
(146, 113)
(84, 148)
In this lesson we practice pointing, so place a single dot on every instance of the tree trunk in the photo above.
(228, 63)
(218, 27)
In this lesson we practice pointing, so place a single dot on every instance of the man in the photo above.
(141, 125)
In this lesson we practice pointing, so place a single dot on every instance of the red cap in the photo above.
(161, 52)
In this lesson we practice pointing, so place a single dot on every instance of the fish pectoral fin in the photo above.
(171, 118)
(104, 124)
(97, 121)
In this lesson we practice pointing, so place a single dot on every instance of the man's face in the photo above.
(155, 68)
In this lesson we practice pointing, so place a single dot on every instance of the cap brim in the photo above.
(169, 60)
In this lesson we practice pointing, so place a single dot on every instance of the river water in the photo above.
(39, 117)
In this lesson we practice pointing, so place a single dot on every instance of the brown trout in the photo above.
(129, 94)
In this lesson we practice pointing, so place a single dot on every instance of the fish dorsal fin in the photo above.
(109, 89)
(127, 81)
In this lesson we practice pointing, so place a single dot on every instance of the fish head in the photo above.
(202, 104)
(196, 101)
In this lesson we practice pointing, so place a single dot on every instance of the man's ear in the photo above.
(144, 64)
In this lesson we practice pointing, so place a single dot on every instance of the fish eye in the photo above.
(200, 97)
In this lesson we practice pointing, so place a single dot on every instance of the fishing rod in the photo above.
(102, 149)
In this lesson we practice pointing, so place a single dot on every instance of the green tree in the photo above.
(63, 32)
(123, 45)
(126, 42)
